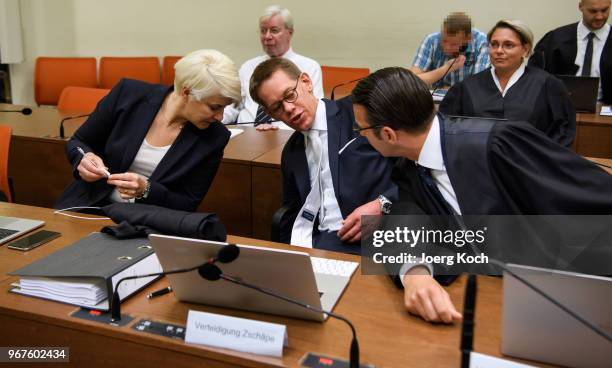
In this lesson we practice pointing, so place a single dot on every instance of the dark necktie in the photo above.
(588, 56)
(434, 194)
(262, 117)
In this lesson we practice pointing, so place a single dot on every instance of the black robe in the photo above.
(537, 97)
(511, 169)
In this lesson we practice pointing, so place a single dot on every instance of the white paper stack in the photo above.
(80, 291)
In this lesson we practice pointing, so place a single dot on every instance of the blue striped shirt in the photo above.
(431, 56)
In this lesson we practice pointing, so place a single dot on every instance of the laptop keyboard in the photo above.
(333, 266)
(4, 233)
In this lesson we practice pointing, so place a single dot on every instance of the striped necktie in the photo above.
(262, 117)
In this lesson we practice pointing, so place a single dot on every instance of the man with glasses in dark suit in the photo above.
(331, 175)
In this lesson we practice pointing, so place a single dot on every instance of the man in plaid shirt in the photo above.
(458, 48)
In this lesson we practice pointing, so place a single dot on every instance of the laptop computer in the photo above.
(13, 227)
(534, 328)
(316, 281)
(583, 91)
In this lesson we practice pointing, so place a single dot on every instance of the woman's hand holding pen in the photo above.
(129, 185)
(92, 168)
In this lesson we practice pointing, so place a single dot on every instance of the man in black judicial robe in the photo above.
(468, 166)
(537, 97)
(563, 50)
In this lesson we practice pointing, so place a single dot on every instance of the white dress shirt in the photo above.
(247, 110)
(330, 217)
(145, 162)
(513, 79)
(601, 35)
(431, 158)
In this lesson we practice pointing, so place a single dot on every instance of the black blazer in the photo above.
(115, 132)
(556, 53)
(359, 174)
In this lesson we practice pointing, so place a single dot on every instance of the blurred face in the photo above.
(274, 36)
(506, 51)
(594, 13)
(451, 43)
(289, 100)
(203, 113)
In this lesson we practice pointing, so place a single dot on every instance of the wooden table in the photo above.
(231, 193)
(594, 135)
(267, 191)
(40, 171)
(388, 336)
(605, 163)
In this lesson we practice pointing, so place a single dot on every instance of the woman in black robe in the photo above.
(513, 91)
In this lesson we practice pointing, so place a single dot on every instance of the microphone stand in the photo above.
(24, 111)
(467, 326)
(354, 350)
(461, 51)
(225, 255)
(212, 272)
(331, 95)
(116, 302)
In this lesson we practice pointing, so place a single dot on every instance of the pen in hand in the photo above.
(106, 173)
(163, 291)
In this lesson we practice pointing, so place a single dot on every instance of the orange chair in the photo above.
(336, 75)
(80, 99)
(52, 74)
(112, 69)
(168, 69)
(5, 141)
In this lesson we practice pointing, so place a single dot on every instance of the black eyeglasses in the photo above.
(357, 129)
(291, 96)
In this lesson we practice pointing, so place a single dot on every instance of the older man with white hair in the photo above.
(275, 33)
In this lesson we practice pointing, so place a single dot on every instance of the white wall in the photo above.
(371, 33)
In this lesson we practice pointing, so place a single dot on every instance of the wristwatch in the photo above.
(145, 192)
(385, 204)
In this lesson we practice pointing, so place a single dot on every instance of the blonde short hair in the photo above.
(206, 73)
(278, 10)
(520, 28)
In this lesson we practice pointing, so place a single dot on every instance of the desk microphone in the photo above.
(225, 255)
(461, 51)
(467, 326)
(25, 111)
(61, 129)
(255, 123)
(331, 95)
(212, 272)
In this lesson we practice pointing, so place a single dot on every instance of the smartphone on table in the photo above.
(33, 240)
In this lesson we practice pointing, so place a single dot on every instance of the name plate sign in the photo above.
(234, 333)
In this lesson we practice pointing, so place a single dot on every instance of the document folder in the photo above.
(86, 272)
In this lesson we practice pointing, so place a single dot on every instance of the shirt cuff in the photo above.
(409, 266)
